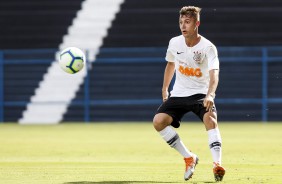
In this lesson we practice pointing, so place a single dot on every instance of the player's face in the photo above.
(188, 25)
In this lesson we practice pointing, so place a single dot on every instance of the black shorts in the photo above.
(176, 107)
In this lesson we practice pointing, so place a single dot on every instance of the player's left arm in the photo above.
(213, 66)
(209, 99)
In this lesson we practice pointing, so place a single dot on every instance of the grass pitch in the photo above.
(125, 153)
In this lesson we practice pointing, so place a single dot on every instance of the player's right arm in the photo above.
(169, 70)
(168, 74)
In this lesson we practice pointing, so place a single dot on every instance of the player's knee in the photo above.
(159, 123)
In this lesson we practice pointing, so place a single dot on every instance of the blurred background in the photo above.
(125, 42)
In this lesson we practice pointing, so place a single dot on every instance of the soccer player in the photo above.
(194, 60)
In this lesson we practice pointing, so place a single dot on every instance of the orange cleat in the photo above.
(190, 163)
(218, 172)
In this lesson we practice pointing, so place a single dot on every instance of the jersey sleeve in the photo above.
(169, 53)
(212, 56)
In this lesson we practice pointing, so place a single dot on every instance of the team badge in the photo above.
(198, 57)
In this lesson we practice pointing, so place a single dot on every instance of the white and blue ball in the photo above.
(72, 60)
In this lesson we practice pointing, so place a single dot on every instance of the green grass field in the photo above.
(125, 153)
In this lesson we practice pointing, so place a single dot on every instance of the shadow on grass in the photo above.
(114, 182)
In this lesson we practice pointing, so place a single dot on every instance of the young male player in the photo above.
(195, 62)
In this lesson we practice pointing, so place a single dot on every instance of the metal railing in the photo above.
(263, 55)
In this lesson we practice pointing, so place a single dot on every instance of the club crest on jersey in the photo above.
(198, 57)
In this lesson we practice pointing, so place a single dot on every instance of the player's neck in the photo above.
(193, 40)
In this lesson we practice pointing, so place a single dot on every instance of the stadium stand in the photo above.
(129, 67)
(87, 31)
(35, 24)
(226, 23)
(152, 24)
(30, 24)
(21, 77)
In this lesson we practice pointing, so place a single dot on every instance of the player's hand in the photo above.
(208, 103)
(165, 95)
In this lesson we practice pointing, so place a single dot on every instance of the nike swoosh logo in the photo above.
(179, 52)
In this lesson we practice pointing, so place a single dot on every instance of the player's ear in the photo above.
(197, 23)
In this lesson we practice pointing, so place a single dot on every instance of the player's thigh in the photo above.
(161, 120)
(210, 120)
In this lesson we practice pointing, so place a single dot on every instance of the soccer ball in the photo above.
(72, 60)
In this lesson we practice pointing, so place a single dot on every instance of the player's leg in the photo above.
(215, 141)
(214, 137)
(163, 123)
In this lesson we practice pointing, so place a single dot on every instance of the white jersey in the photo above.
(192, 65)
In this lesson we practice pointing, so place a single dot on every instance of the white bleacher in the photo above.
(58, 89)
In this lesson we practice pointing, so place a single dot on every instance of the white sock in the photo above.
(172, 138)
(215, 145)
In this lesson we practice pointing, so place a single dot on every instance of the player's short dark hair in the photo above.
(191, 11)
